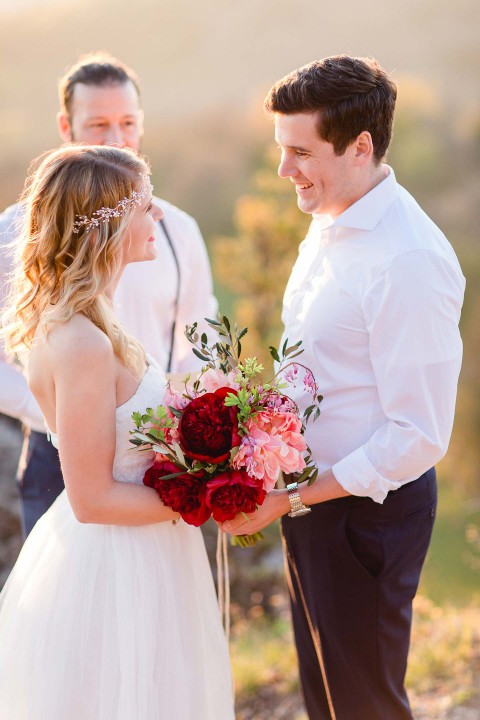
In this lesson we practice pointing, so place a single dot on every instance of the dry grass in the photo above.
(443, 675)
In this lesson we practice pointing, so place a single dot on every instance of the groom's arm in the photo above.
(276, 504)
(412, 316)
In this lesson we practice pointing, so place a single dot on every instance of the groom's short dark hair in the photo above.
(350, 95)
(100, 69)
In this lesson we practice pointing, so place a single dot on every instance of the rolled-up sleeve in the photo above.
(411, 312)
(16, 399)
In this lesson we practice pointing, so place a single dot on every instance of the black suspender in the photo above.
(177, 294)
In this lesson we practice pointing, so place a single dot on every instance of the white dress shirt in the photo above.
(144, 303)
(375, 296)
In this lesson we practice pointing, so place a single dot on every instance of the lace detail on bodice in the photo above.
(130, 464)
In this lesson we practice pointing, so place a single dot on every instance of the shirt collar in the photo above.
(367, 212)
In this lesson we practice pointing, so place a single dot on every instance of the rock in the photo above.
(11, 439)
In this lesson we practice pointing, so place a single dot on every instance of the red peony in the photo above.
(185, 493)
(232, 492)
(208, 430)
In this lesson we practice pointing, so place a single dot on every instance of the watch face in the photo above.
(301, 511)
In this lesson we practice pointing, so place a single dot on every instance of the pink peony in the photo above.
(175, 399)
(213, 379)
(274, 444)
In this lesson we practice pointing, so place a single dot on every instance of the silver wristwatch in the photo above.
(298, 508)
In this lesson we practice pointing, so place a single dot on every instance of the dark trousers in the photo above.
(39, 478)
(353, 568)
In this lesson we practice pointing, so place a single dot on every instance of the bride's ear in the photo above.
(64, 127)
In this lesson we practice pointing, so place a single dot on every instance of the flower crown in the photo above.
(104, 214)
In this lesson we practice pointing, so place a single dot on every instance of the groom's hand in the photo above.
(274, 506)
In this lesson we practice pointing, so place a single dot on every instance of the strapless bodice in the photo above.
(130, 464)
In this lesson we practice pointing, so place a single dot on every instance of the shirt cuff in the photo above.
(356, 475)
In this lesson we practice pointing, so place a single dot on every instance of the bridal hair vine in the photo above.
(104, 214)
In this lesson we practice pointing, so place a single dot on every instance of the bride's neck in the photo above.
(112, 287)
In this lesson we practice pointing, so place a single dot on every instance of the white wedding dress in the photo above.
(109, 622)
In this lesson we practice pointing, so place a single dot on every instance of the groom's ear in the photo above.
(363, 147)
(64, 127)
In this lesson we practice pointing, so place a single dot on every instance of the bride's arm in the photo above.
(84, 376)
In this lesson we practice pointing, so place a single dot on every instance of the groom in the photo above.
(100, 105)
(375, 297)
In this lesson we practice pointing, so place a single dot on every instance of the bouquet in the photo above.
(223, 443)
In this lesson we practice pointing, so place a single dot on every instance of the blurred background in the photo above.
(204, 70)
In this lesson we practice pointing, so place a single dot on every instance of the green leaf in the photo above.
(141, 436)
(179, 453)
(274, 353)
(200, 354)
(136, 441)
(295, 355)
(173, 475)
(304, 475)
(137, 418)
(177, 413)
(292, 348)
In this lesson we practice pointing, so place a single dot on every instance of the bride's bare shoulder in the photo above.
(78, 340)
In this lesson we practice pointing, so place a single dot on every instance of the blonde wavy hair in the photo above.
(59, 272)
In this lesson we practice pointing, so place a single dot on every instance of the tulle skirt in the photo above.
(104, 622)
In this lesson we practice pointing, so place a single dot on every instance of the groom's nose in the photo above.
(287, 167)
(114, 136)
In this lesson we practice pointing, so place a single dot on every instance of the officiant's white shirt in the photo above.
(144, 302)
(375, 296)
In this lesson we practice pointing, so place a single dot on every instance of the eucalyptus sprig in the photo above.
(225, 353)
(150, 435)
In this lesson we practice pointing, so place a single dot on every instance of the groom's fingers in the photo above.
(231, 526)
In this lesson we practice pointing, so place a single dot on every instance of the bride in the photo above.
(110, 611)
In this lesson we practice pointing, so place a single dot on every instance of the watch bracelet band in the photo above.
(296, 504)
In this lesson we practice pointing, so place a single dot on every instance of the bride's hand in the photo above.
(274, 506)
